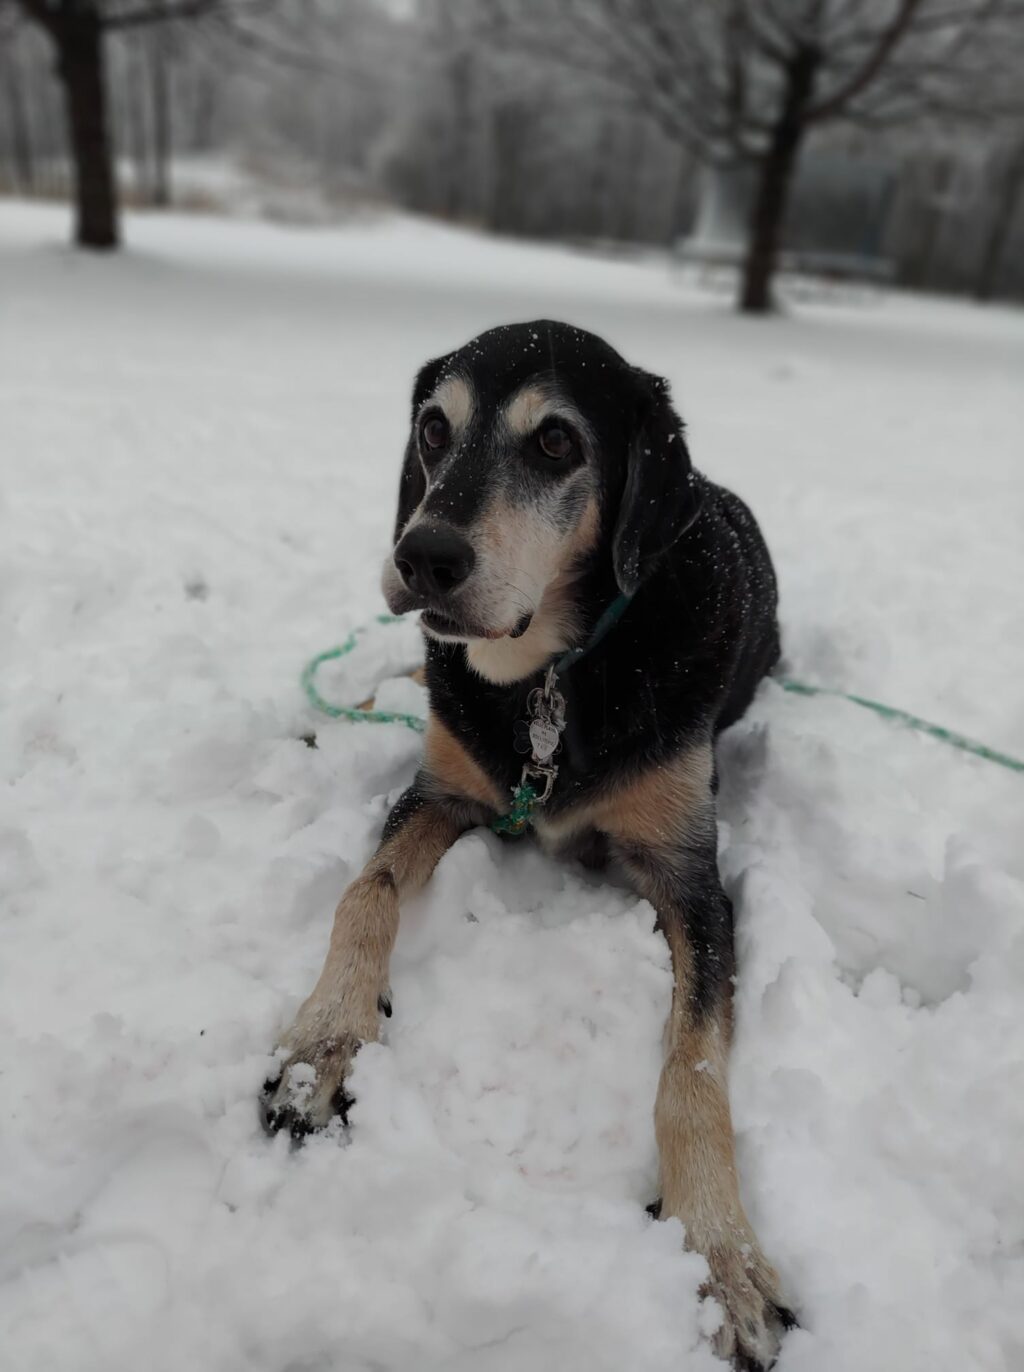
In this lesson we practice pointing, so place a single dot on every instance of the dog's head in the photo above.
(535, 451)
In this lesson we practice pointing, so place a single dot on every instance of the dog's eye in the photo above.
(435, 432)
(555, 442)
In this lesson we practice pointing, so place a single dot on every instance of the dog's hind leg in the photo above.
(663, 829)
(345, 1007)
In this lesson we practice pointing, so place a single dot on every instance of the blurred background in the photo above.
(837, 140)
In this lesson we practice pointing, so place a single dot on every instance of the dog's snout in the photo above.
(433, 562)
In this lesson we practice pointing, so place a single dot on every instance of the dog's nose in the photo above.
(433, 562)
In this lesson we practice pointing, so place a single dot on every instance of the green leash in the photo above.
(923, 726)
(349, 712)
(514, 821)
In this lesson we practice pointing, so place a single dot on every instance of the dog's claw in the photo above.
(308, 1091)
(786, 1317)
(384, 1005)
(745, 1287)
(292, 1119)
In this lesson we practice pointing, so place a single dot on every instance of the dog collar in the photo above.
(540, 734)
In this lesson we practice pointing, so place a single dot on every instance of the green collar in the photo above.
(603, 627)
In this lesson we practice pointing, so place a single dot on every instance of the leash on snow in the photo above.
(523, 804)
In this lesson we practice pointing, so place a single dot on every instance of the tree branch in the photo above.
(888, 38)
(41, 12)
(158, 13)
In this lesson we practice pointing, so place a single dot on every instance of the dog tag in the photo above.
(544, 737)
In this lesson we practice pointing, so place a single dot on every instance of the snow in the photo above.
(200, 443)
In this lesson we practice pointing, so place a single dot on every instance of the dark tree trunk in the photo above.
(773, 186)
(79, 40)
(1010, 186)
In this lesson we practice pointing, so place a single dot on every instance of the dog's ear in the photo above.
(413, 484)
(662, 495)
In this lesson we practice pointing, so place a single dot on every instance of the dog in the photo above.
(595, 612)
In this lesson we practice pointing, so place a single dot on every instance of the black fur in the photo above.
(680, 664)
(684, 660)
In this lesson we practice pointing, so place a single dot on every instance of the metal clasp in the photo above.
(532, 772)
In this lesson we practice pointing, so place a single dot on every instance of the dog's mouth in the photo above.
(454, 623)
(446, 627)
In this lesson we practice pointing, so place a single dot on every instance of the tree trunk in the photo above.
(1010, 186)
(79, 39)
(774, 181)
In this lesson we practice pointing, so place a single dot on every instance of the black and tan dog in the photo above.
(547, 503)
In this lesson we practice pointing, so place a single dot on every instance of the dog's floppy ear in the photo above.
(662, 495)
(413, 484)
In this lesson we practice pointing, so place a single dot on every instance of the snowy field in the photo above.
(199, 442)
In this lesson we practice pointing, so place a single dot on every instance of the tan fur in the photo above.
(455, 397)
(527, 409)
(660, 805)
(551, 630)
(656, 813)
(366, 920)
(447, 762)
(691, 1116)
(697, 1165)
(656, 809)
(343, 1010)
(554, 625)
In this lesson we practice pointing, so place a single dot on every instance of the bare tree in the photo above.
(79, 30)
(746, 81)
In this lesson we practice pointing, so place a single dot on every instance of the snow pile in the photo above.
(200, 452)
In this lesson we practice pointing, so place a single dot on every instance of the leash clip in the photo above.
(533, 772)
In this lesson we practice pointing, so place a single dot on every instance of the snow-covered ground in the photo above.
(199, 442)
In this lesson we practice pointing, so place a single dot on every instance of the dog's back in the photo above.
(751, 575)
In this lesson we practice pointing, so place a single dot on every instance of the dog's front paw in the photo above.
(310, 1089)
(754, 1318)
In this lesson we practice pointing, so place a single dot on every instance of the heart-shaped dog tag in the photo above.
(544, 737)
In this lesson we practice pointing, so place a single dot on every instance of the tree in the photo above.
(746, 81)
(79, 30)
(1009, 187)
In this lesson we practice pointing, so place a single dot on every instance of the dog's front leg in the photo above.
(663, 830)
(345, 1006)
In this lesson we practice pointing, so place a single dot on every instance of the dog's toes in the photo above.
(310, 1090)
(294, 1119)
(746, 1288)
(754, 1319)
(750, 1340)
(282, 1119)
